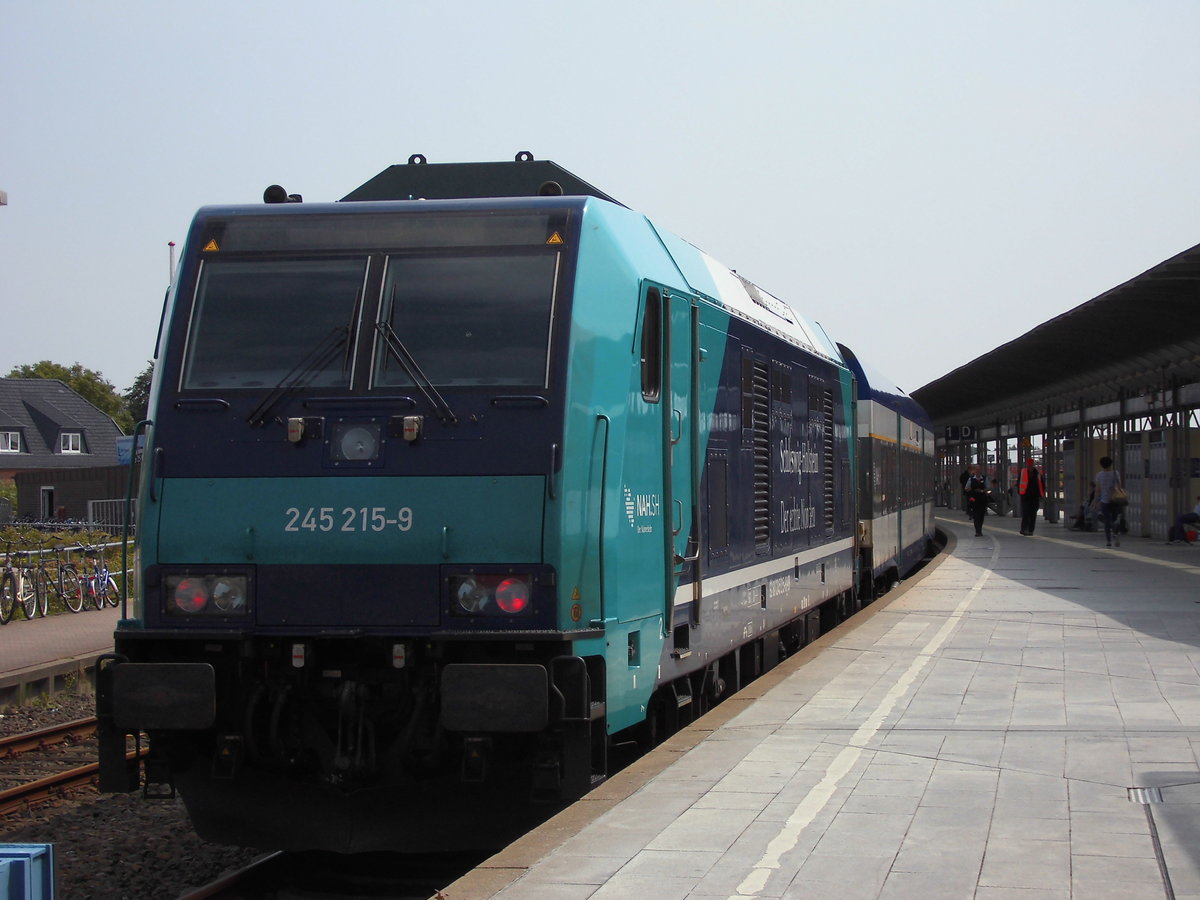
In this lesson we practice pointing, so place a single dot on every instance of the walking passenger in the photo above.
(1108, 480)
(1032, 489)
(976, 489)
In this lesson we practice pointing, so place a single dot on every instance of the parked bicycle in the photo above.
(64, 582)
(98, 584)
(18, 585)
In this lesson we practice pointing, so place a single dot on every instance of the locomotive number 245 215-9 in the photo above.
(350, 518)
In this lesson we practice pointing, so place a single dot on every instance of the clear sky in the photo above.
(928, 180)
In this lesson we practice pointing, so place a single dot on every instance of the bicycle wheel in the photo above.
(8, 597)
(28, 594)
(111, 592)
(41, 587)
(91, 592)
(72, 590)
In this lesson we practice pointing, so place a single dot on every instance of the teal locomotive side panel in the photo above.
(608, 580)
(610, 528)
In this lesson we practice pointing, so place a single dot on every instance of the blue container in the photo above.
(26, 872)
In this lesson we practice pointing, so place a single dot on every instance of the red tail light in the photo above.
(512, 595)
(191, 595)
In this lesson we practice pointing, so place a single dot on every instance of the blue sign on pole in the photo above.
(125, 449)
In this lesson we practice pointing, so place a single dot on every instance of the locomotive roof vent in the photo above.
(523, 177)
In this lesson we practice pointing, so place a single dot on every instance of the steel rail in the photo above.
(16, 744)
(225, 884)
(23, 796)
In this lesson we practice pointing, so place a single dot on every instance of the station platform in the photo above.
(41, 656)
(1019, 721)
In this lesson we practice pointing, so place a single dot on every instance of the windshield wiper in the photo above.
(397, 349)
(302, 373)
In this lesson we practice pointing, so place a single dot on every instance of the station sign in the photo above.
(960, 432)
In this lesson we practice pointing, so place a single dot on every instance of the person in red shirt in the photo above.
(1032, 489)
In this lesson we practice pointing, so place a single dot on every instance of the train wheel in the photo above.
(655, 729)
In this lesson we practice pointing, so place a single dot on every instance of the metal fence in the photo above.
(109, 515)
(109, 519)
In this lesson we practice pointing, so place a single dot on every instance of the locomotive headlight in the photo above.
(229, 594)
(471, 596)
(220, 594)
(356, 441)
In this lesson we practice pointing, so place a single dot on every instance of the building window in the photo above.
(10, 442)
(70, 442)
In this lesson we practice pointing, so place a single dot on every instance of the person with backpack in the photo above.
(976, 490)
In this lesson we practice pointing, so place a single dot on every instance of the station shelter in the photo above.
(1117, 376)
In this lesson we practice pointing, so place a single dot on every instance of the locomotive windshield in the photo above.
(322, 301)
(469, 319)
(256, 322)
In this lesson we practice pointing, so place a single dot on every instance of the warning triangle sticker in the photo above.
(555, 238)
(211, 246)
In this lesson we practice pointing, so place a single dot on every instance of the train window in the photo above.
(364, 231)
(256, 323)
(469, 319)
(652, 347)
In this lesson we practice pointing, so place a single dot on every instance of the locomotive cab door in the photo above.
(681, 439)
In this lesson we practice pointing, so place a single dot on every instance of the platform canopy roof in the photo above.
(1136, 339)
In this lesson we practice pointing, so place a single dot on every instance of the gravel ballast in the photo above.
(112, 846)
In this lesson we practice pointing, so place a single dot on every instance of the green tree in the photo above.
(137, 397)
(89, 385)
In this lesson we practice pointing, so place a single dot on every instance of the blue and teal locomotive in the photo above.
(451, 485)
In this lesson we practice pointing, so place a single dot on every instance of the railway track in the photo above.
(44, 765)
(15, 744)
